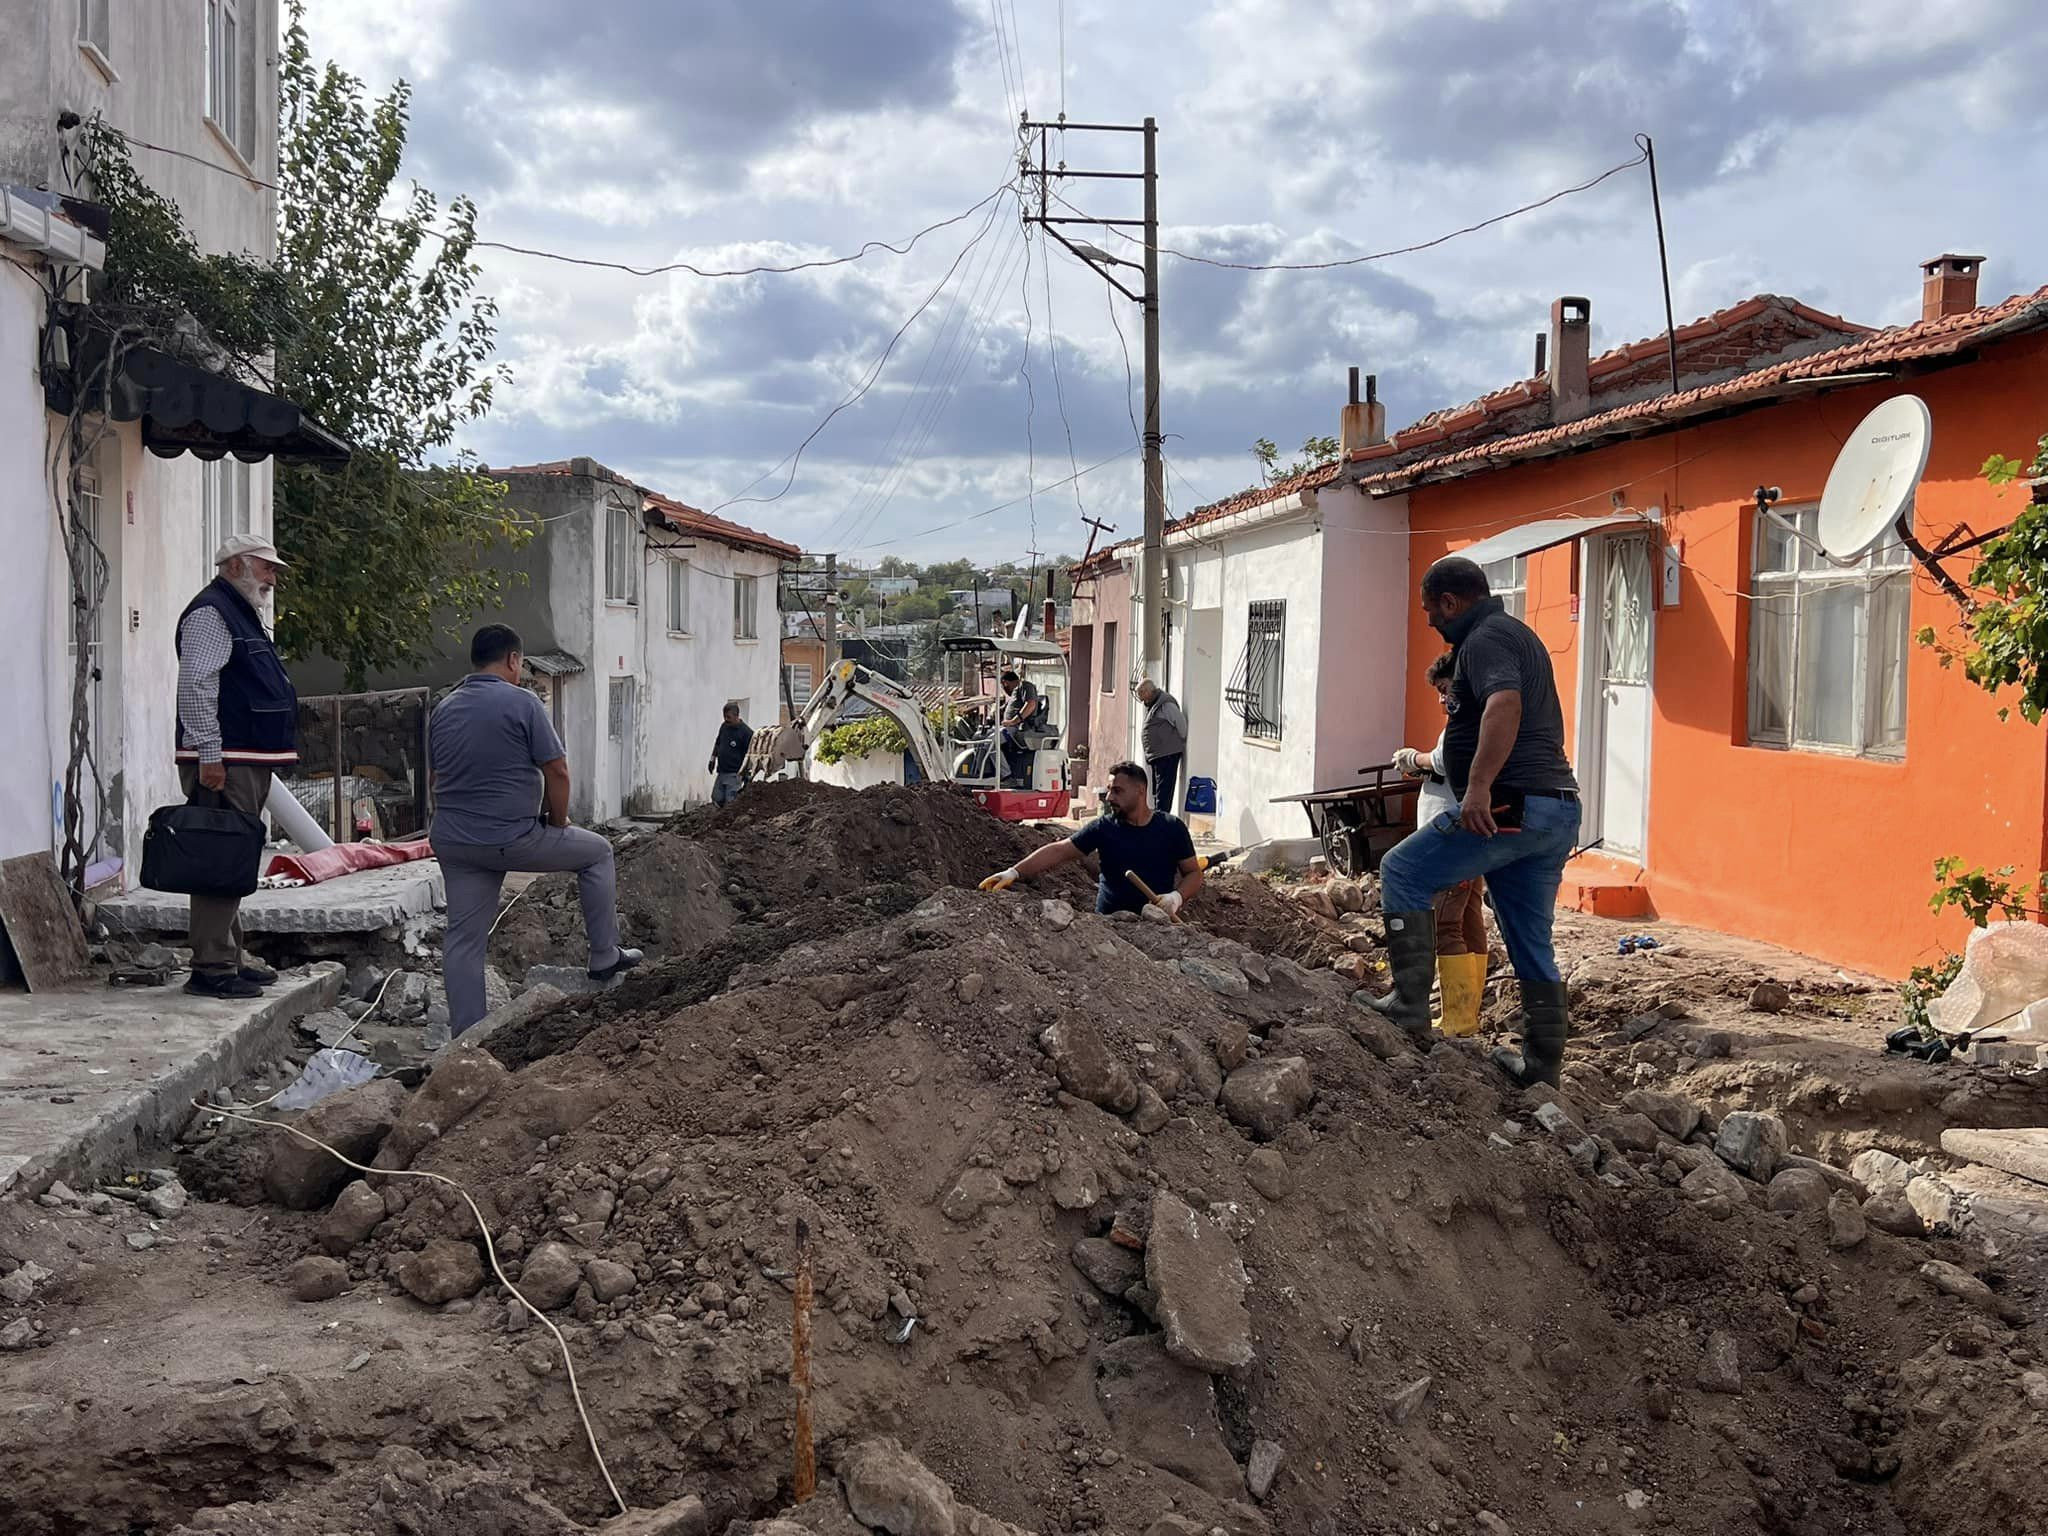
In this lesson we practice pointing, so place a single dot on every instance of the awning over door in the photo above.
(184, 408)
(1547, 533)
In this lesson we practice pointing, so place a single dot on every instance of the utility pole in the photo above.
(1152, 562)
(831, 612)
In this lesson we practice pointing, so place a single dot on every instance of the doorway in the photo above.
(1617, 638)
(1202, 692)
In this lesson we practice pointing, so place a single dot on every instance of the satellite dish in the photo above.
(1871, 487)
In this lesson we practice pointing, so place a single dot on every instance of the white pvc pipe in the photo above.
(292, 818)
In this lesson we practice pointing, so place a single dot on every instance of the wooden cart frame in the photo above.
(1358, 823)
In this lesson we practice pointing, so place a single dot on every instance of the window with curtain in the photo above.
(223, 506)
(1827, 644)
(1253, 693)
(622, 555)
(746, 607)
(1508, 580)
(678, 597)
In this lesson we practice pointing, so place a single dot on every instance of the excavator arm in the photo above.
(849, 680)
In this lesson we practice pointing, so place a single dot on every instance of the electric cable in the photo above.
(1052, 347)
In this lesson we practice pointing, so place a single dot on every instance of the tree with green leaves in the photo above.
(1315, 453)
(389, 346)
(2005, 645)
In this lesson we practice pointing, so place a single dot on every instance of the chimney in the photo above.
(1363, 423)
(1052, 617)
(1542, 343)
(1571, 350)
(1948, 286)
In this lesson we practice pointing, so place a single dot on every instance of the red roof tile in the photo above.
(1928, 340)
(704, 525)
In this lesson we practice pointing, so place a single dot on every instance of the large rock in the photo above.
(1721, 1365)
(315, 1278)
(1961, 1284)
(550, 1276)
(1266, 1096)
(354, 1122)
(1630, 1131)
(1891, 1212)
(447, 1269)
(458, 1084)
(1880, 1173)
(1198, 1284)
(1797, 1191)
(609, 1280)
(1262, 1466)
(1846, 1226)
(1223, 980)
(1751, 1141)
(1164, 1413)
(355, 1212)
(686, 1516)
(1711, 1179)
(891, 1490)
(1086, 1067)
(1201, 1076)
(974, 1189)
(1267, 1172)
(1676, 1117)
(1933, 1199)
(1110, 1267)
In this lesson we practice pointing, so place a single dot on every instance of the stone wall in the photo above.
(381, 750)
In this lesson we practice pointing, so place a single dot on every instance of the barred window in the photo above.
(1254, 691)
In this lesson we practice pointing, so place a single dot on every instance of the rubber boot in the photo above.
(1546, 1022)
(1411, 955)
(1461, 981)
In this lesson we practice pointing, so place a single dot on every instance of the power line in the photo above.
(794, 458)
(1030, 394)
(898, 248)
(1402, 250)
(1004, 506)
(1052, 347)
(1003, 58)
(950, 353)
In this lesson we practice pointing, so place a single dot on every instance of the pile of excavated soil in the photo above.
(1163, 1209)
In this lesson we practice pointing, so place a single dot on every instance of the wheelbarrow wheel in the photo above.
(1344, 848)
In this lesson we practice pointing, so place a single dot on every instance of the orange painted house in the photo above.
(1764, 747)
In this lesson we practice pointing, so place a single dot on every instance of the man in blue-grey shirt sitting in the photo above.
(501, 803)
(1131, 839)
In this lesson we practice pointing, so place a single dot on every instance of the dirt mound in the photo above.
(957, 1102)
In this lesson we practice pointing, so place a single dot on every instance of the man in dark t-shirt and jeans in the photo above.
(1131, 838)
(1516, 824)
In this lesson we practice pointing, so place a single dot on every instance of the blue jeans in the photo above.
(1522, 871)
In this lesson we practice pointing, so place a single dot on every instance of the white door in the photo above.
(1617, 729)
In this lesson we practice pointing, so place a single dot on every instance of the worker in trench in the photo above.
(1460, 909)
(1130, 838)
(1516, 824)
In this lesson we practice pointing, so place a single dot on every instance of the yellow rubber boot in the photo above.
(1462, 979)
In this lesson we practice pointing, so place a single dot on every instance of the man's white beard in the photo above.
(250, 588)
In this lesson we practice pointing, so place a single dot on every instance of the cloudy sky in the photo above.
(1815, 148)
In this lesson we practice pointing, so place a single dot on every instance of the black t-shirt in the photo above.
(1154, 852)
(1501, 654)
(1021, 698)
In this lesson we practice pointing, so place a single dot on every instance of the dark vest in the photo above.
(259, 708)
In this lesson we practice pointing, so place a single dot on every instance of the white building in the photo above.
(1282, 644)
(642, 618)
(197, 79)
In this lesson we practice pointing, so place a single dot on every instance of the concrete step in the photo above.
(2023, 1153)
(92, 1075)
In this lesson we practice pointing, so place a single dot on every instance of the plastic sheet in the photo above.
(2005, 969)
(345, 859)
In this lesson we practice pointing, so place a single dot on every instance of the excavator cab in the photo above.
(1030, 781)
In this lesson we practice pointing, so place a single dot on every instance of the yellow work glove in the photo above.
(1001, 880)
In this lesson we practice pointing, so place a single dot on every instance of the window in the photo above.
(231, 94)
(223, 506)
(1254, 691)
(1109, 657)
(1508, 580)
(678, 597)
(1827, 644)
(622, 555)
(797, 683)
(96, 34)
(619, 699)
(746, 607)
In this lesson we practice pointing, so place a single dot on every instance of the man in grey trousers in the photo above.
(1166, 742)
(501, 803)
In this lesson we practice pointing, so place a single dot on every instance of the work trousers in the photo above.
(216, 920)
(1461, 919)
(1522, 868)
(475, 874)
(725, 788)
(1165, 780)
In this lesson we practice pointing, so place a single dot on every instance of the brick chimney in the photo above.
(1571, 352)
(1948, 286)
(1363, 423)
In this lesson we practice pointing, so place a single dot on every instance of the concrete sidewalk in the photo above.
(365, 902)
(90, 1075)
